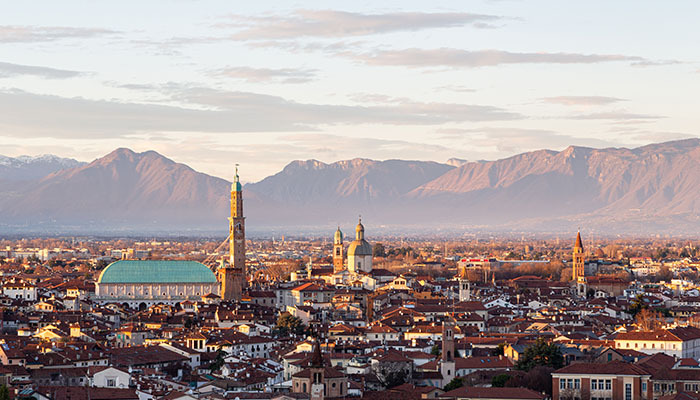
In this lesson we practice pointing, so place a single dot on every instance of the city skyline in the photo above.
(264, 85)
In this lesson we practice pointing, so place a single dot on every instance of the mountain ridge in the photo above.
(655, 186)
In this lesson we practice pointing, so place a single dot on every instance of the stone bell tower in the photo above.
(338, 259)
(233, 276)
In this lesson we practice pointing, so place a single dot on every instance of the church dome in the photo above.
(156, 271)
(360, 248)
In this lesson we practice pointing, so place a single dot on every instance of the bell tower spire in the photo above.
(233, 280)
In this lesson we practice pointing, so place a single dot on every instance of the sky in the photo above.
(215, 83)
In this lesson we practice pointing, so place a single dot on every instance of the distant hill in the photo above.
(26, 168)
(121, 190)
(642, 190)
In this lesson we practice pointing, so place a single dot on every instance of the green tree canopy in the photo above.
(454, 384)
(289, 324)
(541, 353)
(500, 380)
(4, 393)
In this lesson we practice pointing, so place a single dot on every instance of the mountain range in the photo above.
(645, 190)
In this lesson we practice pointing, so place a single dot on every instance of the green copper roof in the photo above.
(156, 271)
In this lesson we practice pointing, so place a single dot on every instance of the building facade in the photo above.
(142, 283)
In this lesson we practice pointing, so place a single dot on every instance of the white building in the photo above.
(19, 290)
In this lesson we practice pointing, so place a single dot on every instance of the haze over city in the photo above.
(320, 200)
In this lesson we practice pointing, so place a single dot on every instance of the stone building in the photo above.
(142, 283)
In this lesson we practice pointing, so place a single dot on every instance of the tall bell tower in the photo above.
(233, 276)
(338, 259)
(579, 267)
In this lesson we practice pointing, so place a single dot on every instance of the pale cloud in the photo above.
(279, 75)
(333, 23)
(509, 141)
(615, 115)
(456, 58)
(457, 88)
(10, 70)
(29, 34)
(208, 110)
(581, 100)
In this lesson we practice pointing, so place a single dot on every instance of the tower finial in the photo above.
(236, 172)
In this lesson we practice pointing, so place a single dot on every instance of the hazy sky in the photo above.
(212, 83)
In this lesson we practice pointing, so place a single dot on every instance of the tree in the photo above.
(435, 350)
(218, 361)
(540, 353)
(636, 305)
(288, 324)
(499, 350)
(665, 274)
(648, 320)
(4, 393)
(454, 384)
(394, 378)
(378, 250)
(500, 380)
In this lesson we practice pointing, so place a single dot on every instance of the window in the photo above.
(111, 383)
(594, 384)
(628, 391)
(644, 387)
(569, 383)
(608, 384)
(609, 356)
(562, 383)
(577, 383)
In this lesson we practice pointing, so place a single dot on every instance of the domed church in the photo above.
(360, 252)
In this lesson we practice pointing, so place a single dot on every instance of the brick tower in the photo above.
(338, 259)
(233, 276)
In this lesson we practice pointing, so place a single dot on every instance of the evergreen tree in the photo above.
(454, 384)
(4, 393)
(541, 353)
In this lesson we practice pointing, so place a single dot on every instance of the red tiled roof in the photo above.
(492, 393)
(610, 368)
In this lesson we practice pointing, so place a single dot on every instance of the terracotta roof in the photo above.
(482, 362)
(610, 368)
(492, 393)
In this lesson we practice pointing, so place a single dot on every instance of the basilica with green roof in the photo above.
(140, 283)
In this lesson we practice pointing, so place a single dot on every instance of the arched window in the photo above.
(303, 388)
